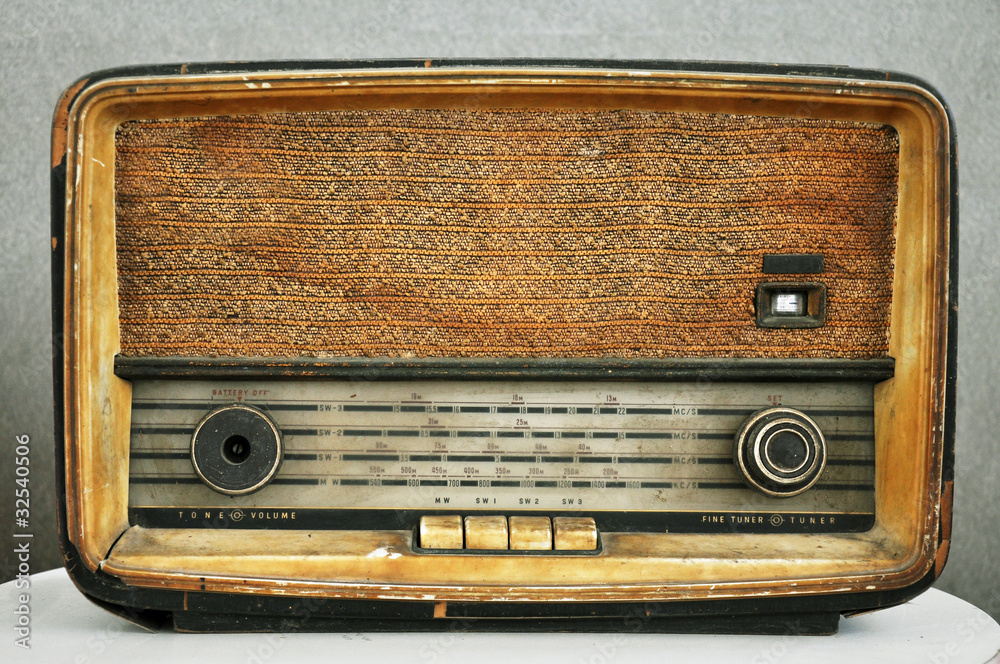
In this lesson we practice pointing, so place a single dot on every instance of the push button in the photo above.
(574, 533)
(530, 533)
(486, 532)
(441, 532)
(500, 533)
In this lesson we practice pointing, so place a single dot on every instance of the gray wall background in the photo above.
(46, 46)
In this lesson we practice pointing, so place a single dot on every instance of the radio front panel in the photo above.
(652, 457)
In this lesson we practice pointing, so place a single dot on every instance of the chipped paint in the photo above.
(61, 121)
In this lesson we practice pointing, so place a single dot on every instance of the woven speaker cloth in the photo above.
(498, 233)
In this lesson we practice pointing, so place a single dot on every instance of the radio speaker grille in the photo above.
(500, 233)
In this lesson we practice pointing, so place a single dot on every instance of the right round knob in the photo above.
(780, 452)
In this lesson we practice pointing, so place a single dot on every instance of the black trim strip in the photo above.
(291, 406)
(208, 405)
(306, 518)
(850, 462)
(163, 480)
(173, 455)
(151, 429)
(669, 370)
(640, 459)
(366, 408)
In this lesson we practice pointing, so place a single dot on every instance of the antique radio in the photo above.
(504, 345)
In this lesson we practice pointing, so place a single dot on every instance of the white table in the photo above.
(935, 628)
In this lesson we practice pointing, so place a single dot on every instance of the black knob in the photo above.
(780, 452)
(236, 449)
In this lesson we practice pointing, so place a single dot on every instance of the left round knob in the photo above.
(236, 449)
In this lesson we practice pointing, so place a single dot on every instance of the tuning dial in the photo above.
(780, 452)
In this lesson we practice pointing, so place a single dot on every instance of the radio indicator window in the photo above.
(789, 304)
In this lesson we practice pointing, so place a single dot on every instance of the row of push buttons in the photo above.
(517, 533)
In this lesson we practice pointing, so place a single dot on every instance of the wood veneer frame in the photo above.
(911, 534)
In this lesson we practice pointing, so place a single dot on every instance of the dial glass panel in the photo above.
(374, 454)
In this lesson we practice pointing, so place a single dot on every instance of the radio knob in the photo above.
(780, 452)
(236, 449)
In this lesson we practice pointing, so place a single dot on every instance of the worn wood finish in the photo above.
(910, 415)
